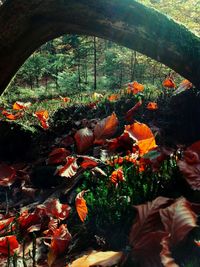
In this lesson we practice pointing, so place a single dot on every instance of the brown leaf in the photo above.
(131, 112)
(165, 255)
(7, 175)
(84, 139)
(178, 220)
(147, 249)
(106, 128)
(148, 219)
(190, 165)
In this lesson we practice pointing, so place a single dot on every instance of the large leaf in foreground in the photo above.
(148, 219)
(94, 258)
(147, 249)
(178, 220)
(165, 255)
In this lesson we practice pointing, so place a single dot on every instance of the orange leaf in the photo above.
(137, 87)
(81, 206)
(7, 175)
(117, 175)
(58, 155)
(20, 105)
(169, 83)
(152, 106)
(106, 128)
(113, 97)
(11, 116)
(143, 136)
(43, 117)
(84, 139)
(184, 85)
(94, 258)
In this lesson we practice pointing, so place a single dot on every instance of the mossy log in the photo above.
(26, 25)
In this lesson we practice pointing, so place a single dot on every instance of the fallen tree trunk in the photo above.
(26, 25)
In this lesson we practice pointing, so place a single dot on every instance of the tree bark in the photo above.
(26, 25)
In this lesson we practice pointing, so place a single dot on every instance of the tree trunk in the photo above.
(26, 25)
(95, 64)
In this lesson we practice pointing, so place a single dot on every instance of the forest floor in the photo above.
(99, 175)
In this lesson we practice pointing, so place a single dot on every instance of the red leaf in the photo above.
(84, 139)
(28, 222)
(59, 243)
(88, 162)
(53, 208)
(131, 112)
(58, 155)
(69, 169)
(8, 245)
(106, 128)
(178, 219)
(81, 206)
(7, 175)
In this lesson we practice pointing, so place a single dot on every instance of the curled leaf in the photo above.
(58, 155)
(69, 169)
(81, 206)
(84, 139)
(106, 128)
(43, 117)
(143, 136)
(131, 112)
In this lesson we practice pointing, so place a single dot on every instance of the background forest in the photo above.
(72, 64)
